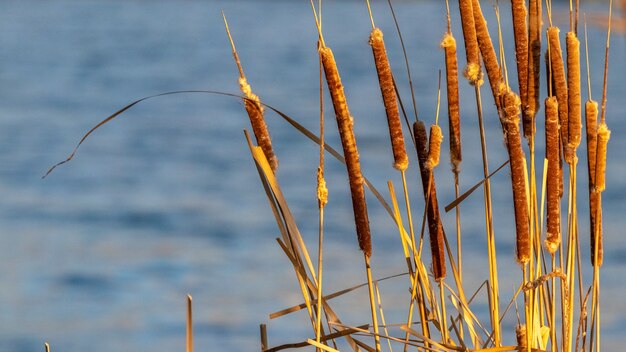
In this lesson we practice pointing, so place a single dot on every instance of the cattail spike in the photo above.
(435, 227)
(560, 83)
(434, 149)
(494, 73)
(520, 32)
(390, 100)
(351, 154)
(452, 87)
(472, 70)
(520, 334)
(511, 122)
(604, 134)
(573, 95)
(595, 210)
(534, 67)
(553, 239)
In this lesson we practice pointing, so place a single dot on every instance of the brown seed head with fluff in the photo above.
(254, 108)
(435, 227)
(488, 53)
(472, 70)
(452, 87)
(553, 239)
(534, 67)
(434, 149)
(604, 134)
(390, 100)
(573, 94)
(348, 142)
(511, 122)
(595, 199)
(560, 82)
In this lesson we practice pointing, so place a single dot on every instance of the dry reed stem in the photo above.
(472, 69)
(595, 210)
(348, 141)
(534, 67)
(604, 134)
(488, 53)
(452, 87)
(390, 99)
(435, 228)
(557, 68)
(520, 33)
(553, 220)
(434, 148)
(573, 95)
(511, 108)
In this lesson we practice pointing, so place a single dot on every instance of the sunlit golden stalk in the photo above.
(435, 228)
(189, 342)
(560, 83)
(517, 161)
(520, 34)
(348, 142)
(452, 84)
(488, 53)
(390, 99)
(604, 134)
(573, 95)
(434, 147)
(534, 67)
(553, 239)
(595, 210)
(472, 69)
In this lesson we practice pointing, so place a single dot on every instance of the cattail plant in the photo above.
(553, 239)
(557, 69)
(573, 96)
(511, 108)
(452, 87)
(520, 32)
(254, 108)
(472, 69)
(534, 64)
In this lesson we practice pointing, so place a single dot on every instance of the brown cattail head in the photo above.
(452, 84)
(488, 53)
(520, 34)
(553, 239)
(520, 334)
(595, 199)
(434, 148)
(435, 227)
(472, 70)
(351, 154)
(254, 108)
(604, 134)
(390, 100)
(534, 64)
(511, 122)
(573, 82)
(560, 83)
(322, 191)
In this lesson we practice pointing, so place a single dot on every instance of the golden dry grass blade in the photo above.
(467, 193)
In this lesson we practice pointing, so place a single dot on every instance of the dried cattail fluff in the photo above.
(488, 53)
(520, 32)
(434, 149)
(553, 239)
(452, 84)
(511, 123)
(435, 227)
(390, 100)
(254, 108)
(520, 334)
(560, 82)
(603, 139)
(573, 81)
(348, 142)
(534, 64)
(472, 70)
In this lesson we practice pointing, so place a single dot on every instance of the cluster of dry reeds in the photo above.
(558, 309)
(557, 312)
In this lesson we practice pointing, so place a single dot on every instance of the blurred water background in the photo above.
(165, 200)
